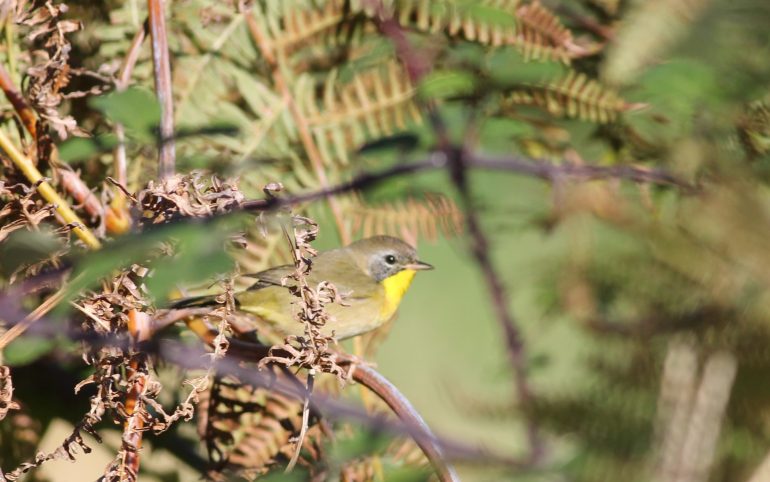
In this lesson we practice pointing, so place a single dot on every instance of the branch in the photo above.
(367, 377)
(544, 169)
(514, 164)
(401, 406)
(411, 422)
(24, 164)
(162, 69)
(513, 338)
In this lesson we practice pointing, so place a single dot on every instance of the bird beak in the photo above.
(419, 266)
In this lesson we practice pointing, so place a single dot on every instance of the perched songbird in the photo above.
(372, 275)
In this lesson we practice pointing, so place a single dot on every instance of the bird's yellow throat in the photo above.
(395, 287)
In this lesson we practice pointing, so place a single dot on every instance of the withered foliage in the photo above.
(22, 208)
(313, 349)
(187, 196)
(6, 392)
(662, 280)
(50, 72)
(250, 430)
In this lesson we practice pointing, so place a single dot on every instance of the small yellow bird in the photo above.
(372, 275)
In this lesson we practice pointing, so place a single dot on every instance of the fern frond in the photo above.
(410, 219)
(534, 29)
(543, 36)
(403, 452)
(575, 96)
(263, 442)
(366, 469)
(375, 103)
(290, 25)
(249, 430)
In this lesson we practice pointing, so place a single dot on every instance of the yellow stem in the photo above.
(24, 164)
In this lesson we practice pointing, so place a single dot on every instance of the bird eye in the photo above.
(390, 259)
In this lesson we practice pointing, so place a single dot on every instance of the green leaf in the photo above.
(26, 247)
(200, 255)
(137, 109)
(407, 474)
(80, 148)
(497, 133)
(202, 241)
(675, 91)
(361, 443)
(507, 67)
(27, 349)
(402, 142)
(447, 83)
(487, 14)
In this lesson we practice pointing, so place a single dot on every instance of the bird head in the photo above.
(385, 256)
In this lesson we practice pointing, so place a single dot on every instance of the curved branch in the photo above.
(374, 381)
(401, 406)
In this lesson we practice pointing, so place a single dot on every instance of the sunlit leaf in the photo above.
(447, 83)
(137, 109)
(27, 349)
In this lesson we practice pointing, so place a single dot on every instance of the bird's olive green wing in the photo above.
(272, 302)
(271, 277)
(267, 278)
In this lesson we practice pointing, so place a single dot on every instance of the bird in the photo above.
(372, 275)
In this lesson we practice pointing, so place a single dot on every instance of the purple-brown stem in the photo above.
(417, 67)
(514, 342)
(162, 68)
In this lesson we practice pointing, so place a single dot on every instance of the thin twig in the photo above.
(162, 69)
(24, 164)
(401, 406)
(583, 172)
(121, 83)
(117, 220)
(305, 421)
(17, 329)
(514, 164)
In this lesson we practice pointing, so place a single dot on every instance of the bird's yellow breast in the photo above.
(395, 288)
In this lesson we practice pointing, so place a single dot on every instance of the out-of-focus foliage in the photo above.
(669, 286)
